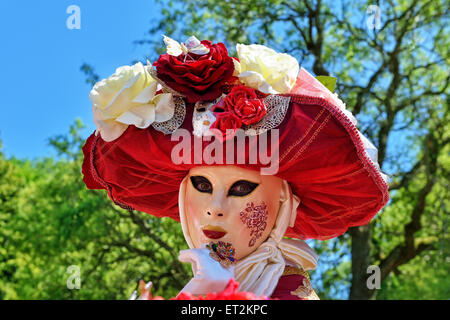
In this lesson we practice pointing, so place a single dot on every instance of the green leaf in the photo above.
(329, 82)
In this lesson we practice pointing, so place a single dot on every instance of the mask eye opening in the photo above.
(242, 188)
(201, 184)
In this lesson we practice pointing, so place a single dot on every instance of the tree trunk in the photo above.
(360, 261)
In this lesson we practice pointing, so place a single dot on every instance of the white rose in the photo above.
(266, 70)
(128, 97)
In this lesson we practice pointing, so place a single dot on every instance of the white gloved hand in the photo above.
(209, 274)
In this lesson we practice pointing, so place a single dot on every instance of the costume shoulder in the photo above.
(294, 284)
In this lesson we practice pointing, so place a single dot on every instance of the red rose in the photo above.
(225, 121)
(244, 102)
(199, 77)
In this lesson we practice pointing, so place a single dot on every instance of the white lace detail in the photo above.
(169, 126)
(276, 108)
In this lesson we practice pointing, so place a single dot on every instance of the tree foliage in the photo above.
(50, 221)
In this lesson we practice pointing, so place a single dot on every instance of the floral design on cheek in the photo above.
(255, 218)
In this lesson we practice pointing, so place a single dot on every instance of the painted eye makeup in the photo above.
(242, 188)
(201, 184)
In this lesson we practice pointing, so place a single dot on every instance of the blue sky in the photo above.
(42, 88)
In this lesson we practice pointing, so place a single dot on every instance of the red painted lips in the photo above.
(214, 232)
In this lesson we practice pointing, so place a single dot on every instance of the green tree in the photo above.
(50, 221)
(10, 185)
(394, 78)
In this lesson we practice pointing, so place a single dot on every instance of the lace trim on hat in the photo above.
(276, 108)
(169, 126)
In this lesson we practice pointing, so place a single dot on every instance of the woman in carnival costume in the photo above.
(252, 155)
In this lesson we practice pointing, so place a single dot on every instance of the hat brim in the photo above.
(329, 164)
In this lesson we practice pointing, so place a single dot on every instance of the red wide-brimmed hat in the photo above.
(328, 163)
